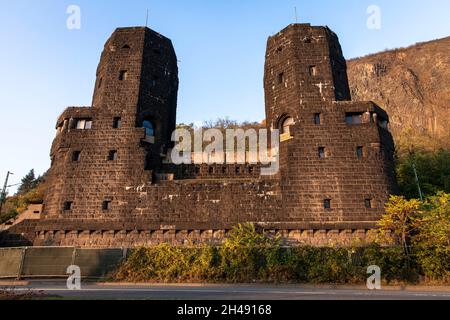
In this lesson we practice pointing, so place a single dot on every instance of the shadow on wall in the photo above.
(8, 239)
(21, 234)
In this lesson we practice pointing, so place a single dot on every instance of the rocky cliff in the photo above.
(413, 85)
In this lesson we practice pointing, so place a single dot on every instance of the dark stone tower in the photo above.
(137, 77)
(122, 138)
(336, 155)
(304, 65)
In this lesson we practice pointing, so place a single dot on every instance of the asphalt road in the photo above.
(225, 292)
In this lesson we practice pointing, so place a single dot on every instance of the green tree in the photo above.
(28, 183)
(423, 230)
(398, 222)
(432, 237)
(433, 169)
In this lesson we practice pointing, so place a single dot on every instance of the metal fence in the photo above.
(35, 262)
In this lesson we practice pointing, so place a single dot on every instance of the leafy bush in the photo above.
(249, 256)
(431, 237)
(245, 254)
(8, 215)
(423, 230)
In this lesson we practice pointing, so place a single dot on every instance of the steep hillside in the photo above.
(413, 85)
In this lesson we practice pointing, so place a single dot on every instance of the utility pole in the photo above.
(3, 194)
(418, 182)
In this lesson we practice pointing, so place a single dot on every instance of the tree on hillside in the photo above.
(28, 183)
(433, 170)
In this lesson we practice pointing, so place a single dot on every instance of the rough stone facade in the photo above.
(106, 190)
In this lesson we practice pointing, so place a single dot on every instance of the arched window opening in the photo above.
(149, 131)
(149, 128)
(126, 47)
(285, 128)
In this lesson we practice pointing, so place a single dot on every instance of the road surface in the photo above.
(226, 292)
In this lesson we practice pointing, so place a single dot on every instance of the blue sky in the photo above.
(220, 44)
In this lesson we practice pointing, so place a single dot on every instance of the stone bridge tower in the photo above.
(101, 150)
(336, 155)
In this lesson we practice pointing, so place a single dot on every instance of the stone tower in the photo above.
(304, 65)
(336, 155)
(122, 138)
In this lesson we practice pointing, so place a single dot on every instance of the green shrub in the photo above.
(422, 228)
(249, 256)
(6, 216)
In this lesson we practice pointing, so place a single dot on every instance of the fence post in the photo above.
(22, 258)
(74, 254)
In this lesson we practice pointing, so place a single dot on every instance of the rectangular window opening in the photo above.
(281, 78)
(123, 75)
(313, 71)
(76, 156)
(117, 123)
(82, 124)
(360, 152)
(327, 204)
(106, 205)
(318, 119)
(68, 205)
(155, 81)
(322, 153)
(368, 203)
(112, 156)
(354, 118)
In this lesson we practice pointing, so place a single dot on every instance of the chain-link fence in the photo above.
(43, 262)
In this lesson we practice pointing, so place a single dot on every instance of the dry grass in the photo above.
(11, 294)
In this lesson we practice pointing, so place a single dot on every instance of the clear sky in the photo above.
(220, 44)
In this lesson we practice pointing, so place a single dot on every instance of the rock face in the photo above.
(412, 84)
